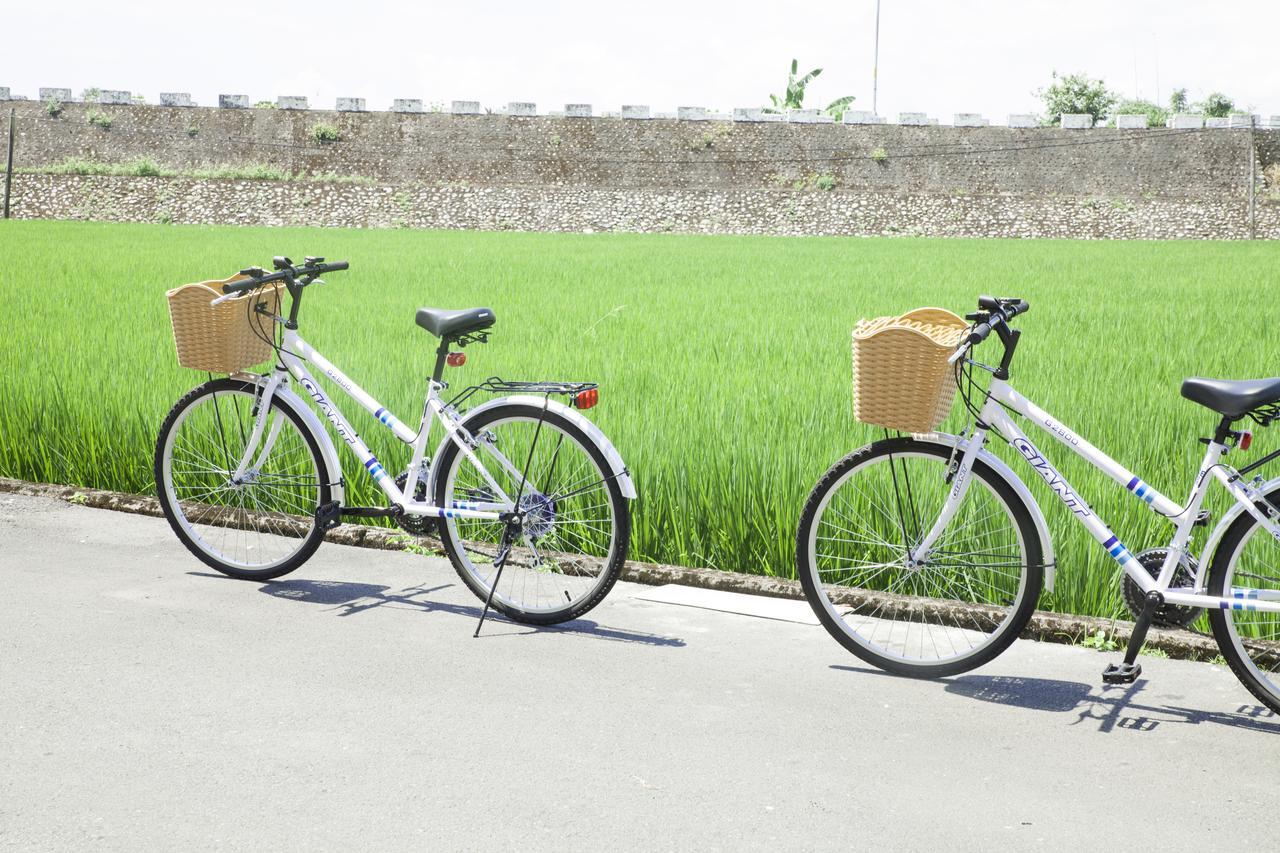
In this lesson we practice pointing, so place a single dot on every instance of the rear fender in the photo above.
(1220, 530)
(614, 459)
(996, 464)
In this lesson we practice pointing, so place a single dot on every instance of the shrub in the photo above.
(323, 132)
(91, 96)
(1156, 114)
(53, 106)
(879, 155)
(1075, 94)
(192, 130)
(99, 119)
(1217, 105)
(265, 105)
(251, 172)
(825, 182)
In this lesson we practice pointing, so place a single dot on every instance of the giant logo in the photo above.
(329, 411)
(1055, 481)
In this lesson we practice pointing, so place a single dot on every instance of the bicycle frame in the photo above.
(295, 354)
(994, 416)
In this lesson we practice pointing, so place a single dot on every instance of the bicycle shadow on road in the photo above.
(348, 598)
(1112, 707)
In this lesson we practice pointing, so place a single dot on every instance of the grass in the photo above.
(145, 167)
(723, 361)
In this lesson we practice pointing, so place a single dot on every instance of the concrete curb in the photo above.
(1044, 626)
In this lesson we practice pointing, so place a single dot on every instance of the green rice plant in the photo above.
(723, 361)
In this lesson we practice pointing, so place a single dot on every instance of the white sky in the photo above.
(937, 57)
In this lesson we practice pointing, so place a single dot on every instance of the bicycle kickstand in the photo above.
(510, 534)
(1128, 671)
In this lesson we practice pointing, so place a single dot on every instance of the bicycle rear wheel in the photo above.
(1246, 567)
(577, 521)
(958, 610)
(263, 526)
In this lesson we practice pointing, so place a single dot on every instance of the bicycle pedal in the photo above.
(329, 515)
(1121, 673)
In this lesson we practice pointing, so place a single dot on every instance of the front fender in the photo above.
(287, 397)
(1006, 473)
(617, 467)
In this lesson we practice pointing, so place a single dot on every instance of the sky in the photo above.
(940, 58)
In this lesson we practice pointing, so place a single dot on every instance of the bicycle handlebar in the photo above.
(997, 311)
(287, 272)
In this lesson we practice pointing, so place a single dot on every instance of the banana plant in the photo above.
(793, 97)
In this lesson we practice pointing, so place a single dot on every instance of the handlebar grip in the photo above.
(979, 333)
(336, 265)
(240, 286)
(1019, 307)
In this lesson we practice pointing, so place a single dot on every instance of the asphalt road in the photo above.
(147, 703)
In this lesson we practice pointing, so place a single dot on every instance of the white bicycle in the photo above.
(924, 555)
(529, 498)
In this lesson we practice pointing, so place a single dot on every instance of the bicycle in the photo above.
(915, 570)
(529, 498)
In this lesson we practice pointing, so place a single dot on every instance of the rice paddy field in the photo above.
(724, 362)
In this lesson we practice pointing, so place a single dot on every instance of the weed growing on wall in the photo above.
(324, 132)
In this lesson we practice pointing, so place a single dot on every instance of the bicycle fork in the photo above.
(958, 475)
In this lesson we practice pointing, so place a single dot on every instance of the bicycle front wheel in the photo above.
(954, 612)
(577, 524)
(255, 526)
(1246, 569)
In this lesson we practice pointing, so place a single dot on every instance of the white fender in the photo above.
(1220, 530)
(611, 455)
(329, 453)
(1006, 473)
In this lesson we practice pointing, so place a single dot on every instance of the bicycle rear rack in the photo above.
(498, 385)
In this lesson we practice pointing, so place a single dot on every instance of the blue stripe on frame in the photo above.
(1109, 542)
(1133, 484)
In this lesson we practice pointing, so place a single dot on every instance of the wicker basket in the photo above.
(221, 338)
(901, 379)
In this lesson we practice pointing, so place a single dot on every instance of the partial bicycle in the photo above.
(924, 553)
(528, 497)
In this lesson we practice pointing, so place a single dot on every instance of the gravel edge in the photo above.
(1044, 626)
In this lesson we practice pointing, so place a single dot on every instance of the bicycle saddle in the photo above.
(450, 324)
(1234, 398)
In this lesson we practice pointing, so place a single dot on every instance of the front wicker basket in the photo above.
(221, 338)
(901, 379)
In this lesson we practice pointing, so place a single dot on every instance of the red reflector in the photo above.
(586, 399)
(456, 359)
(1246, 439)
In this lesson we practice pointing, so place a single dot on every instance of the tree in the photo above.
(1075, 94)
(1178, 101)
(793, 97)
(1217, 105)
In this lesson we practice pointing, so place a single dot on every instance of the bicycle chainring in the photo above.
(1167, 615)
(417, 525)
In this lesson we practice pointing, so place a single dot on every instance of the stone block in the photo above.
(1217, 122)
(114, 96)
(176, 99)
(692, 113)
(1076, 121)
(1023, 120)
(802, 116)
(969, 120)
(406, 105)
(861, 117)
(772, 117)
(747, 114)
(4, 93)
(1186, 121)
(350, 105)
(664, 115)
(1273, 122)
(577, 111)
(291, 102)
(465, 108)
(635, 111)
(915, 119)
(522, 108)
(1131, 122)
(1242, 121)
(62, 95)
(233, 102)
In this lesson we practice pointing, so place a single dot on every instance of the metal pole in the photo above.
(8, 167)
(875, 67)
(1253, 184)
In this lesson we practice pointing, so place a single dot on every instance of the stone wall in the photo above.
(558, 173)
(580, 208)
